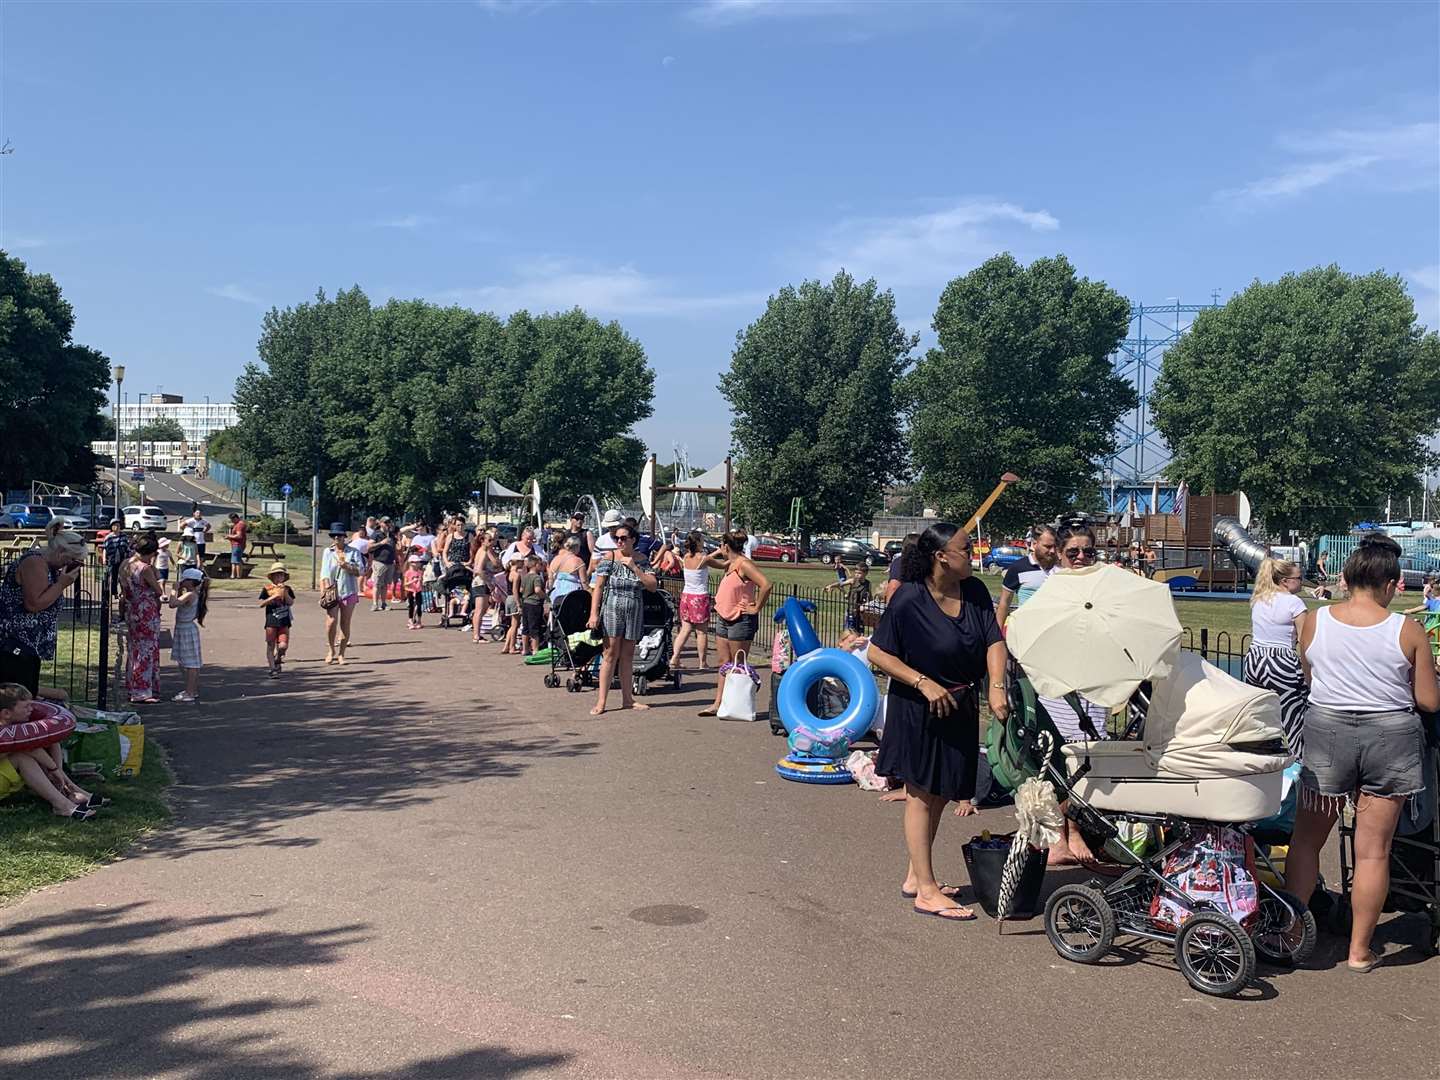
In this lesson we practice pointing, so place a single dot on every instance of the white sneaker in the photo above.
(184, 696)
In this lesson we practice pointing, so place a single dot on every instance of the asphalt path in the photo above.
(179, 495)
(427, 865)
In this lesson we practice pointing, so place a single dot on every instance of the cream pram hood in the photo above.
(1203, 723)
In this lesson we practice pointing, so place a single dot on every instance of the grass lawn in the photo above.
(294, 556)
(77, 663)
(37, 848)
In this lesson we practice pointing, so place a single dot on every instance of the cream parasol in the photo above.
(1099, 632)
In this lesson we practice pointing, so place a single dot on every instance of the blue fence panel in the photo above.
(235, 481)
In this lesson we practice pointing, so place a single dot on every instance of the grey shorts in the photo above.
(743, 628)
(1375, 753)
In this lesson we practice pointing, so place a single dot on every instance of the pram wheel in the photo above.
(642, 686)
(552, 680)
(1215, 955)
(497, 633)
(1285, 932)
(1080, 923)
(676, 678)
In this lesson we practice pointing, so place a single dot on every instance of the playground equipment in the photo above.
(1243, 547)
(818, 746)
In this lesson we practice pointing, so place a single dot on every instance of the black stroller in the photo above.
(454, 588)
(652, 651)
(569, 617)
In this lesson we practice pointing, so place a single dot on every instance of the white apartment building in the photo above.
(199, 420)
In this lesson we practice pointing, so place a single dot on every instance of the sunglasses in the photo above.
(619, 536)
(1080, 553)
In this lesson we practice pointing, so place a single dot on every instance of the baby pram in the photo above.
(453, 589)
(652, 651)
(1414, 853)
(1210, 760)
(1212, 755)
(569, 618)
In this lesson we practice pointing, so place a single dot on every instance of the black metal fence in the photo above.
(1220, 647)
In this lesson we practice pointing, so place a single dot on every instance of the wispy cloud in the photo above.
(932, 247)
(667, 61)
(238, 293)
(1395, 156)
(405, 221)
(730, 12)
(560, 284)
(1425, 287)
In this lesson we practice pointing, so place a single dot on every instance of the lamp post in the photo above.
(119, 378)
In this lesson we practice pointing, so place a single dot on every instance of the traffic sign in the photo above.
(285, 490)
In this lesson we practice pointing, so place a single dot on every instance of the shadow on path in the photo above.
(110, 992)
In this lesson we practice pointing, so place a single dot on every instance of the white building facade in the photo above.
(160, 456)
(199, 420)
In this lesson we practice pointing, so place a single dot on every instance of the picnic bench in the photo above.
(263, 547)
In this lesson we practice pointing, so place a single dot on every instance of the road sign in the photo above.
(272, 507)
(285, 490)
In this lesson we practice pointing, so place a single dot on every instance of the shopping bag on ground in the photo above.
(1217, 866)
(737, 699)
(112, 741)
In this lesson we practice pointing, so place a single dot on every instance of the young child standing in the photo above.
(189, 603)
(162, 561)
(532, 603)
(414, 583)
(278, 600)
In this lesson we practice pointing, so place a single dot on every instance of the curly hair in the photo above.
(916, 558)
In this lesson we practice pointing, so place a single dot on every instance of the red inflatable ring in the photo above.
(48, 723)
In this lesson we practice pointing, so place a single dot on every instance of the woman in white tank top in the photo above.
(695, 599)
(1368, 668)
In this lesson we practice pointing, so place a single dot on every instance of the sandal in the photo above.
(946, 890)
(968, 916)
(95, 802)
(80, 813)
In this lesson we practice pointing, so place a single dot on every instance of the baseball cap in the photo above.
(416, 558)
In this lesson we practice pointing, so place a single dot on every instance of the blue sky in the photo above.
(180, 168)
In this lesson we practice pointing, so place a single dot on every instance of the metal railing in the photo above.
(86, 648)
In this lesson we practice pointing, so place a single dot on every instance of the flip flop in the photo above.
(947, 890)
(947, 918)
(1361, 969)
(95, 802)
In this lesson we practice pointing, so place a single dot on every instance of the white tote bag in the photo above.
(737, 699)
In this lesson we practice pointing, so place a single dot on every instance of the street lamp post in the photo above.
(119, 378)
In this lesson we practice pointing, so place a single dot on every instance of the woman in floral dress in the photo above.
(142, 618)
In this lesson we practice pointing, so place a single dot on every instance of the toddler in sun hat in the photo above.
(278, 600)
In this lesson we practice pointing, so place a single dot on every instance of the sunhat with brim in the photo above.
(337, 528)
(192, 574)
(416, 558)
(278, 568)
(612, 519)
(163, 542)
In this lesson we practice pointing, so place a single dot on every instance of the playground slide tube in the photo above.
(1243, 547)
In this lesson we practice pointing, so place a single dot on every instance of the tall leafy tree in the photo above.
(1314, 394)
(1021, 381)
(812, 389)
(51, 389)
(161, 429)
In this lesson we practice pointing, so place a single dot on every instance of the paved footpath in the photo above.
(427, 865)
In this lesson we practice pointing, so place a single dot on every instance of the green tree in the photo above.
(161, 429)
(51, 390)
(1022, 382)
(1314, 394)
(811, 387)
(410, 406)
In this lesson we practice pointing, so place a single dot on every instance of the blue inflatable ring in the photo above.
(811, 770)
(809, 669)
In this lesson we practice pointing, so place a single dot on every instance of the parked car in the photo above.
(1416, 568)
(846, 550)
(26, 516)
(893, 548)
(137, 472)
(75, 519)
(775, 549)
(186, 470)
(1003, 556)
(143, 517)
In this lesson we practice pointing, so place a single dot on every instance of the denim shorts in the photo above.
(1374, 753)
(743, 628)
(237, 554)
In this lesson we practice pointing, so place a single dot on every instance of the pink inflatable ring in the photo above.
(48, 723)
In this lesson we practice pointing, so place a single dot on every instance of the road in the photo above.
(427, 865)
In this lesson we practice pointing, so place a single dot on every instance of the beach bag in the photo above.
(1217, 866)
(985, 864)
(114, 743)
(329, 595)
(737, 699)
(10, 781)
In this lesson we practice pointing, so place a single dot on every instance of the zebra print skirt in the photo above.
(1277, 668)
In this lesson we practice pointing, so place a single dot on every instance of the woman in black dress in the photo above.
(937, 641)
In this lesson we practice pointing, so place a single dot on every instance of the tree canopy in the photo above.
(160, 429)
(812, 389)
(1021, 381)
(1314, 394)
(51, 390)
(410, 406)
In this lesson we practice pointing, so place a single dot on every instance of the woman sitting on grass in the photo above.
(41, 767)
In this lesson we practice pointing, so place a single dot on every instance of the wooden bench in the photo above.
(263, 547)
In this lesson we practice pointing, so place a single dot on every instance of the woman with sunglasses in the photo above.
(1078, 551)
(617, 610)
(938, 640)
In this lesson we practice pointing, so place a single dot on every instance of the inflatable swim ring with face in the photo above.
(47, 723)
